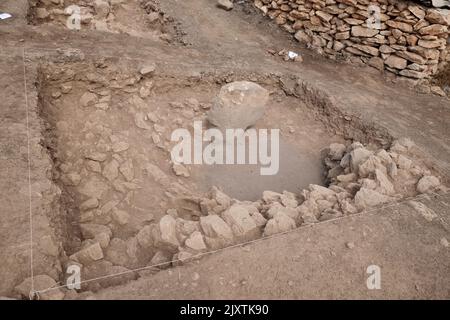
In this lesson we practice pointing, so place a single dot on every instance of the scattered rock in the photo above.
(225, 4)
(71, 179)
(350, 245)
(196, 241)
(427, 184)
(91, 230)
(243, 226)
(167, 237)
(181, 170)
(148, 70)
(336, 151)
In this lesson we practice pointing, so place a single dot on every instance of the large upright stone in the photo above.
(239, 105)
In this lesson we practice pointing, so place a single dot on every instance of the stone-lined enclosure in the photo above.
(410, 40)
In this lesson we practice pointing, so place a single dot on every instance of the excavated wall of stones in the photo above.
(410, 40)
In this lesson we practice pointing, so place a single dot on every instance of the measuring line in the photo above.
(29, 172)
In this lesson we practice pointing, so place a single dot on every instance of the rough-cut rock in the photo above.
(369, 166)
(357, 157)
(396, 62)
(279, 223)
(196, 241)
(366, 198)
(243, 226)
(91, 230)
(88, 254)
(427, 184)
(167, 233)
(145, 236)
(336, 151)
(217, 233)
(181, 170)
(238, 105)
(161, 259)
(346, 29)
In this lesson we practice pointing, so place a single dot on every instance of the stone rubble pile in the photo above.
(100, 15)
(359, 179)
(410, 40)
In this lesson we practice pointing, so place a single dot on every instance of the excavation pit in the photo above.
(108, 130)
(127, 206)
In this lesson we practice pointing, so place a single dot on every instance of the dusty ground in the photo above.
(207, 48)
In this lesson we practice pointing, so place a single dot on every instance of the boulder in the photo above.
(366, 198)
(427, 184)
(242, 224)
(336, 151)
(279, 223)
(239, 105)
(357, 157)
(217, 233)
(384, 185)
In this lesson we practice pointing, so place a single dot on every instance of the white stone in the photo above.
(279, 223)
(427, 184)
(218, 233)
(239, 105)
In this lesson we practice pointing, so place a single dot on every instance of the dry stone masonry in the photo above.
(359, 179)
(410, 40)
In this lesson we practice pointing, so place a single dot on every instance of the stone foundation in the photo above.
(402, 37)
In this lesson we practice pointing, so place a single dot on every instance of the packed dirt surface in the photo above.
(88, 178)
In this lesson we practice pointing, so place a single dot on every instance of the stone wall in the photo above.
(409, 39)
